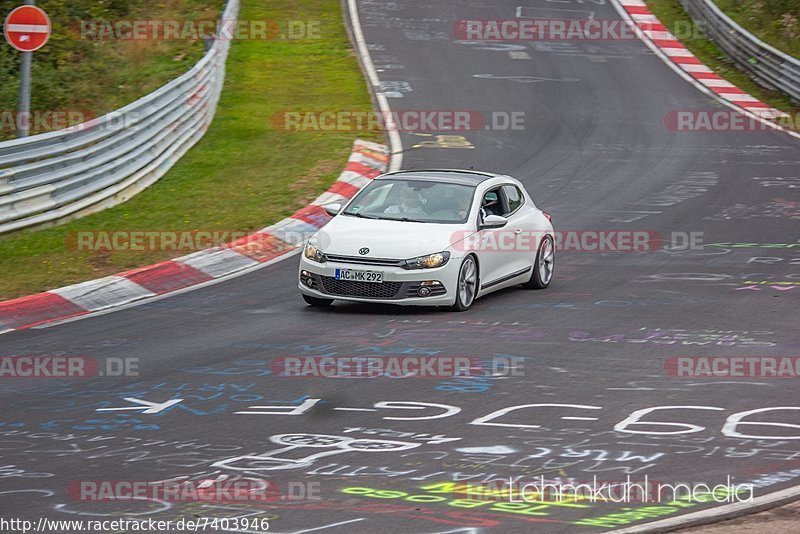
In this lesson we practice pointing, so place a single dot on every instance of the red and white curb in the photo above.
(676, 55)
(367, 161)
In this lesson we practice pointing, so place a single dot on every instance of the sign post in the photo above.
(27, 28)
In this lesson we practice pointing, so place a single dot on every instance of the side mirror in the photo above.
(493, 221)
(332, 209)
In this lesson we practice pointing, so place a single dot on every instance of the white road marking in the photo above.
(497, 449)
(519, 55)
(395, 144)
(520, 12)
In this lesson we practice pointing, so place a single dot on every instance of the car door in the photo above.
(488, 246)
(520, 229)
(504, 258)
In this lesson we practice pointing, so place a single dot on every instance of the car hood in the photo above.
(345, 236)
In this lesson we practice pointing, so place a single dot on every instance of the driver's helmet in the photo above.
(490, 202)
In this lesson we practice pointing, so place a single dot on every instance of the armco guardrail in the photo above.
(64, 174)
(767, 65)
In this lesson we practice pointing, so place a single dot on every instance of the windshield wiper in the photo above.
(361, 215)
(406, 219)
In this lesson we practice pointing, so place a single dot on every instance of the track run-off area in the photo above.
(597, 393)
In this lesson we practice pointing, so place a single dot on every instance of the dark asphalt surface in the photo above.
(595, 153)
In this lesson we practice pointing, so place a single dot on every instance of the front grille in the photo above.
(369, 290)
(363, 260)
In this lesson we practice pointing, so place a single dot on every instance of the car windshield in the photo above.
(413, 201)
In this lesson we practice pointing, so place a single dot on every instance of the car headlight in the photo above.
(312, 253)
(431, 261)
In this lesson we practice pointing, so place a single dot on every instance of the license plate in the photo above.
(354, 275)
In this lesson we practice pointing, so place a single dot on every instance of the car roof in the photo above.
(450, 176)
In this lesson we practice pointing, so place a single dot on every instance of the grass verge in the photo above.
(672, 15)
(776, 22)
(244, 174)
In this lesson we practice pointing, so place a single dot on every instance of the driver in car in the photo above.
(490, 204)
(411, 204)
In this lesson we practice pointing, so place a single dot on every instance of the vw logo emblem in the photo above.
(363, 251)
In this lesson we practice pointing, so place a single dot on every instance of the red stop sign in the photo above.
(27, 28)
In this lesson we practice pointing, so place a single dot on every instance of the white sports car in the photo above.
(429, 238)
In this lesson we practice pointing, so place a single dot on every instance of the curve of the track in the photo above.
(596, 154)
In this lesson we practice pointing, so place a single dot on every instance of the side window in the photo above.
(514, 197)
(492, 203)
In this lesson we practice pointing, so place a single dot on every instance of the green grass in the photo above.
(244, 174)
(672, 14)
(776, 22)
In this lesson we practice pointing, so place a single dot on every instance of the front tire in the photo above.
(317, 302)
(543, 266)
(467, 285)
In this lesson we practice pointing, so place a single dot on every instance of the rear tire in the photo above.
(318, 302)
(467, 284)
(543, 266)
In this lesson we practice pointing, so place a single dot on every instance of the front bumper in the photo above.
(399, 286)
